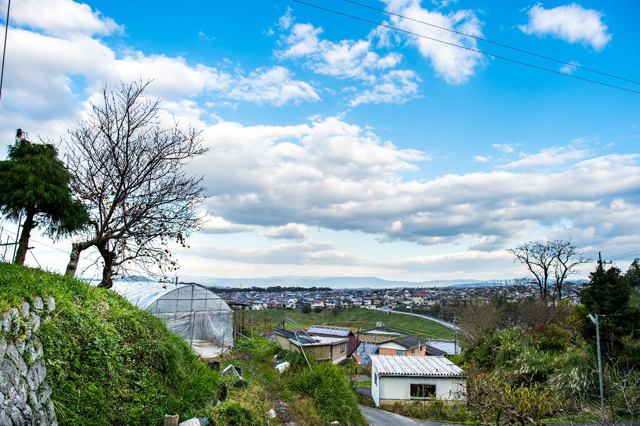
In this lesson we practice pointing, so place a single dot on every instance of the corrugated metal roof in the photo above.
(399, 365)
(334, 331)
(448, 346)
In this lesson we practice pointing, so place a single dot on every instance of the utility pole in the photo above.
(597, 323)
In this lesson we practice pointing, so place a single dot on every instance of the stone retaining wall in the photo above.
(25, 395)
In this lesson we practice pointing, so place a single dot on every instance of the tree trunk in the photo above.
(108, 257)
(23, 244)
(76, 248)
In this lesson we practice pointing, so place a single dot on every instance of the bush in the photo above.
(306, 309)
(333, 395)
(108, 362)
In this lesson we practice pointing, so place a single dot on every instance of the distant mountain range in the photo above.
(363, 283)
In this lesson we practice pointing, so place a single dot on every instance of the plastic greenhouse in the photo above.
(192, 311)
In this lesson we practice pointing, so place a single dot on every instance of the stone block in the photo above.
(9, 371)
(37, 344)
(3, 348)
(34, 322)
(24, 309)
(51, 412)
(44, 393)
(32, 379)
(31, 350)
(5, 324)
(14, 356)
(16, 417)
(37, 303)
(41, 370)
(20, 345)
(22, 391)
(5, 420)
(33, 402)
(51, 304)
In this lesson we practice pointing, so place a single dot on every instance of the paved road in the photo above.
(377, 417)
(445, 323)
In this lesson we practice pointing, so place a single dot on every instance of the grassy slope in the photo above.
(108, 362)
(363, 318)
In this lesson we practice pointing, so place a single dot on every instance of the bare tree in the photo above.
(129, 173)
(550, 264)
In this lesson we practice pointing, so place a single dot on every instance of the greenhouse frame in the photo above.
(192, 311)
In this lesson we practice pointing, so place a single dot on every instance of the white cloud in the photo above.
(47, 75)
(217, 225)
(454, 64)
(395, 87)
(548, 157)
(290, 231)
(61, 18)
(569, 68)
(481, 159)
(345, 59)
(571, 23)
(273, 86)
(506, 148)
(339, 176)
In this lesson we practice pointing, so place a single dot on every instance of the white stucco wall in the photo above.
(390, 389)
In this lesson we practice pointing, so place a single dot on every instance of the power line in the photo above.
(467, 48)
(625, 255)
(38, 242)
(4, 51)
(492, 42)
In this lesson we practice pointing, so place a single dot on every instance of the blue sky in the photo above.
(338, 148)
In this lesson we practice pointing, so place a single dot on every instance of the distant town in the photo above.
(440, 301)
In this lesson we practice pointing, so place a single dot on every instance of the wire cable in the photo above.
(468, 48)
(492, 42)
(625, 255)
(4, 51)
(31, 240)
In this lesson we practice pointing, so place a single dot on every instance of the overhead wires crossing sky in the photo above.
(380, 24)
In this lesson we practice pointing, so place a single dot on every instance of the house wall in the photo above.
(392, 389)
(336, 355)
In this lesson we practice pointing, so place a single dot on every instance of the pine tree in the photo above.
(34, 184)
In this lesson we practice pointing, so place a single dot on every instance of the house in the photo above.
(332, 349)
(411, 346)
(397, 378)
(341, 332)
(317, 304)
(331, 304)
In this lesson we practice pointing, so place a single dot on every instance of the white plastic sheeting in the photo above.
(192, 311)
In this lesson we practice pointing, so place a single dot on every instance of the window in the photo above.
(422, 390)
(398, 352)
(375, 379)
(413, 351)
(342, 348)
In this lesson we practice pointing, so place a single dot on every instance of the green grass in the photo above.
(315, 397)
(359, 318)
(108, 362)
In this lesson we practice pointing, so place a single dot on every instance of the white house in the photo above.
(415, 378)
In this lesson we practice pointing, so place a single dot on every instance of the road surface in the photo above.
(377, 417)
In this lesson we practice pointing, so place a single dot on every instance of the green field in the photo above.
(358, 318)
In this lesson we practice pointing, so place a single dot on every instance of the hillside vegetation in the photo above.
(108, 362)
(358, 318)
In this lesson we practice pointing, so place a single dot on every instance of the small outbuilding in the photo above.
(337, 332)
(192, 311)
(322, 348)
(415, 378)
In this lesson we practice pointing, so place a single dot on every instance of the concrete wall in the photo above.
(387, 390)
(25, 395)
(399, 388)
